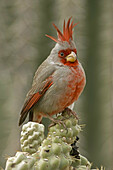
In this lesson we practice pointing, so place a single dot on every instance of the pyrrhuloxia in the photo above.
(58, 81)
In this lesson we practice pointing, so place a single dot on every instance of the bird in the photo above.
(58, 81)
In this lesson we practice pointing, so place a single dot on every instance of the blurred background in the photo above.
(23, 47)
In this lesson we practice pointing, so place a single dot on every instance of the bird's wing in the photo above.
(36, 92)
(34, 99)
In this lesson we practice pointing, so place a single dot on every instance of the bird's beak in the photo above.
(71, 57)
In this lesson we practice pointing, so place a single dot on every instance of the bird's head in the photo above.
(65, 50)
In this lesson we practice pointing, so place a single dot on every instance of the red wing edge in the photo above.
(33, 100)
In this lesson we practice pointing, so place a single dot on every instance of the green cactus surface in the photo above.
(31, 137)
(21, 161)
(58, 151)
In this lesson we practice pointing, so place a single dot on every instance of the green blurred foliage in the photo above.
(23, 47)
(97, 100)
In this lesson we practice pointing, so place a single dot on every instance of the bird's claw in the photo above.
(59, 122)
(70, 112)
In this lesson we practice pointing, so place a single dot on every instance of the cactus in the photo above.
(21, 161)
(31, 137)
(57, 151)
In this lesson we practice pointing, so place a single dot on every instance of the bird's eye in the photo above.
(62, 54)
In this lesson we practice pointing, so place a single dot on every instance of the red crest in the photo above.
(67, 32)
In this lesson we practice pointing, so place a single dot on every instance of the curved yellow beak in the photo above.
(71, 57)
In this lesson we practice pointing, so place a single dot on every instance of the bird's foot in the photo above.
(57, 121)
(70, 112)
